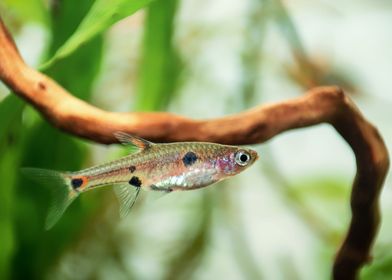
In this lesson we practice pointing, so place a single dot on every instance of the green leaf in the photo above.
(46, 147)
(66, 16)
(10, 116)
(31, 10)
(380, 269)
(10, 109)
(327, 197)
(101, 16)
(86, 59)
(8, 166)
(160, 63)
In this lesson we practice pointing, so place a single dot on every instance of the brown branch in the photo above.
(319, 105)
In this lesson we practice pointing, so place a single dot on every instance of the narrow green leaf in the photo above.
(8, 165)
(10, 116)
(10, 109)
(160, 63)
(65, 19)
(101, 16)
(46, 147)
(86, 60)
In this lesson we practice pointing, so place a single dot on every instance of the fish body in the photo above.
(157, 167)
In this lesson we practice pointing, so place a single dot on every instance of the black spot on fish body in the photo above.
(132, 168)
(189, 158)
(76, 183)
(135, 181)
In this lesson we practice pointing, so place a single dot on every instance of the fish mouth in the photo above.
(254, 154)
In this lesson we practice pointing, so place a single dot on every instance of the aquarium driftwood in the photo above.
(318, 105)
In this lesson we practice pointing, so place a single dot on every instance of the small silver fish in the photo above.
(157, 167)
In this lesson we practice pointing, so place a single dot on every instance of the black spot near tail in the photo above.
(132, 168)
(189, 158)
(135, 181)
(76, 183)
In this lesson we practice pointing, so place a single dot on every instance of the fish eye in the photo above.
(242, 158)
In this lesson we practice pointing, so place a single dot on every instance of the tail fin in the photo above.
(62, 192)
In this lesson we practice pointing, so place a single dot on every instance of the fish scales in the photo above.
(158, 167)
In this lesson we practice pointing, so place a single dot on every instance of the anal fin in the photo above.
(127, 196)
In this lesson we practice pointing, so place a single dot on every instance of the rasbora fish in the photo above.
(158, 167)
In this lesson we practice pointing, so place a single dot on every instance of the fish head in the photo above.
(235, 160)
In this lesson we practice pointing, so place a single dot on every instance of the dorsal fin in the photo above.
(128, 139)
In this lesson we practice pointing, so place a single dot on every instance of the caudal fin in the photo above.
(62, 192)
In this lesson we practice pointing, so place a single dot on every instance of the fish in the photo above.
(163, 167)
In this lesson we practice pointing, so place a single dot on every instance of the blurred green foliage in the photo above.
(100, 17)
(75, 37)
(36, 251)
(159, 67)
(9, 151)
(381, 269)
(73, 57)
(33, 10)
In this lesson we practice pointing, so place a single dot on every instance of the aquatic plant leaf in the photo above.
(101, 16)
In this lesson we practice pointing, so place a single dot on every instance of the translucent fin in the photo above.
(157, 195)
(127, 196)
(128, 139)
(62, 192)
